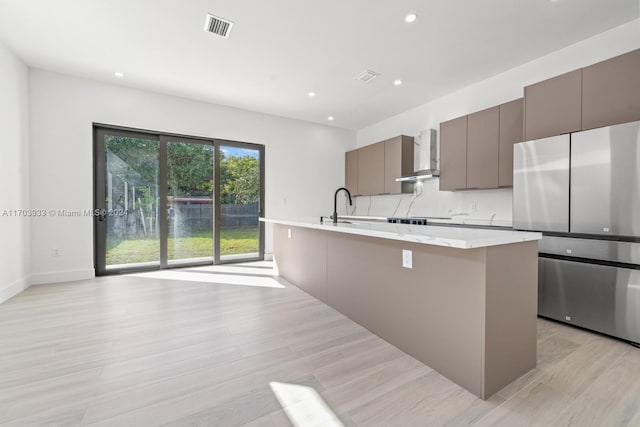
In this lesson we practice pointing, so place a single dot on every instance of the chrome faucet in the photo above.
(335, 203)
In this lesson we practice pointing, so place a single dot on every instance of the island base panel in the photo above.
(469, 314)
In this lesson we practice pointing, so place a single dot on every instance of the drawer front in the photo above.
(601, 298)
(604, 250)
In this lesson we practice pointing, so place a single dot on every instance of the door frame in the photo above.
(99, 235)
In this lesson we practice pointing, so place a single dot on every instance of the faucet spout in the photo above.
(335, 202)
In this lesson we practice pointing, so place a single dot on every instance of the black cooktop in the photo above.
(415, 220)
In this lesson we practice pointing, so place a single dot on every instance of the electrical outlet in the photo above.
(55, 252)
(407, 258)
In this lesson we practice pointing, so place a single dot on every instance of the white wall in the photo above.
(304, 161)
(14, 174)
(493, 91)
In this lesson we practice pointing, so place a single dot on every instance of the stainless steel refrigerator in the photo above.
(582, 190)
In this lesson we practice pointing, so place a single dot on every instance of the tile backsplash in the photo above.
(492, 206)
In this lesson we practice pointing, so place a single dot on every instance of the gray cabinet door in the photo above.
(376, 174)
(511, 132)
(398, 161)
(364, 171)
(605, 180)
(482, 148)
(611, 91)
(371, 169)
(597, 297)
(453, 154)
(553, 106)
(351, 171)
(541, 184)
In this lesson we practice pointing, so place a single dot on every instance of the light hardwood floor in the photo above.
(230, 345)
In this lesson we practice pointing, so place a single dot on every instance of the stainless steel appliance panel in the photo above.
(604, 250)
(601, 298)
(541, 184)
(605, 180)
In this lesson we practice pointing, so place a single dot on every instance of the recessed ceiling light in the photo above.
(410, 17)
(311, 94)
(397, 82)
(118, 74)
(330, 118)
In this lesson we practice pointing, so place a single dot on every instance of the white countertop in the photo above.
(463, 238)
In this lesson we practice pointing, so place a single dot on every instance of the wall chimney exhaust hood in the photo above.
(425, 157)
(420, 175)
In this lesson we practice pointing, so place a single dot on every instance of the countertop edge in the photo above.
(507, 237)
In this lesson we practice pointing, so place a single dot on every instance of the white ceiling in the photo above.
(279, 50)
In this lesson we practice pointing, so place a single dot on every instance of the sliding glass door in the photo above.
(189, 201)
(127, 218)
(165, 201)
(240, 192)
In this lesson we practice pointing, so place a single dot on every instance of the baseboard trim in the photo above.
(14, 288)
(62, 276)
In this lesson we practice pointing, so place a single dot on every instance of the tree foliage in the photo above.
(239, 180)
(139, 159)
(190, 169)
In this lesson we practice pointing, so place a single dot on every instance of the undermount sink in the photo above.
(329, 221)
(346, 221)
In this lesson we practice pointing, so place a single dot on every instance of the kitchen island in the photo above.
(464, 303)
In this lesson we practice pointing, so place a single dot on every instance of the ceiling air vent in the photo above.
(366, 76)
(218, 26)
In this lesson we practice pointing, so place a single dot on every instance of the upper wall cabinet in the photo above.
(351, 171)
(603, 94)
(611, 91)
(373, 169)
(482, 148)
(376, 169)
(453, 154)
(511, 132)
(476, 151)
(553, 106)
(364, 171)
(398, 161)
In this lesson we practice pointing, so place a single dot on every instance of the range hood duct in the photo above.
(425, 157)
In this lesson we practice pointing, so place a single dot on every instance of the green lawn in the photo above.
(232, 241)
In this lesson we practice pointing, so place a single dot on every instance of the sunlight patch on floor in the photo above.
(236, 269)
(222, 279)
(304, 406)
